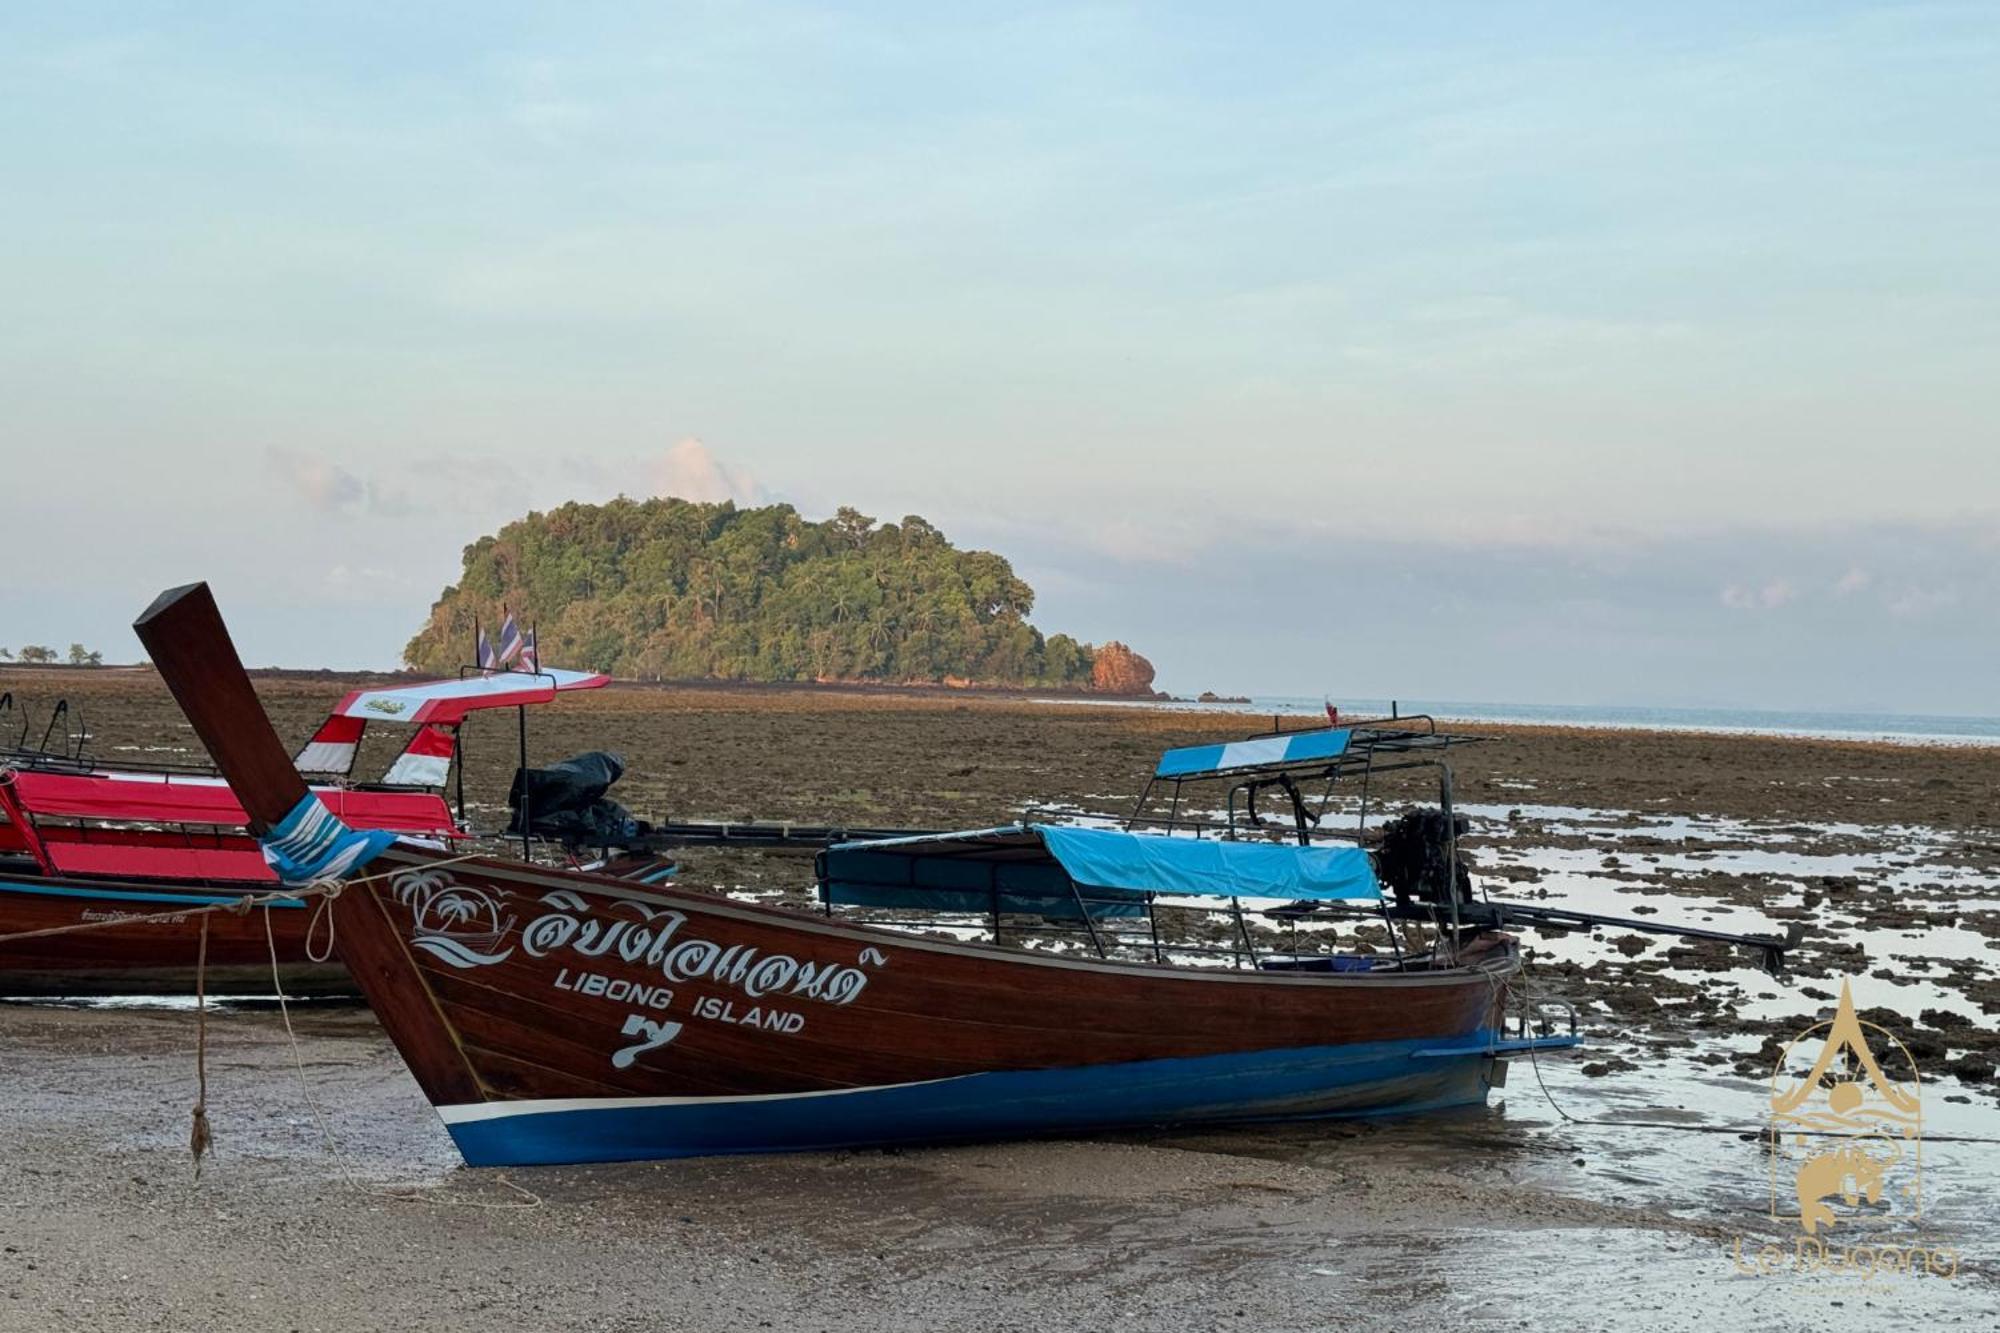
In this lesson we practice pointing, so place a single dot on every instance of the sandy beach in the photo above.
(1517, 1215)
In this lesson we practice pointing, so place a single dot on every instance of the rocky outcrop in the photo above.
(1116, 669)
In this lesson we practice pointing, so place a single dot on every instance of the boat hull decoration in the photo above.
(551, 1017)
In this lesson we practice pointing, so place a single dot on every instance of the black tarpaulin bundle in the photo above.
(567, 801)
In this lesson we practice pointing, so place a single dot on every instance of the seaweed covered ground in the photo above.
(1564, 1204)
(1887, 854)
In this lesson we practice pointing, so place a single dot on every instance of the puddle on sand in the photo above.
(1659, 1210)
(1561, 1278)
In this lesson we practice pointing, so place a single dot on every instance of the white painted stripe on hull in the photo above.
(467, 1112)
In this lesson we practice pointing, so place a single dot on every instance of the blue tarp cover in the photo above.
(1031, 868)
(1195, 761)
(1110, 859)
(925, 875)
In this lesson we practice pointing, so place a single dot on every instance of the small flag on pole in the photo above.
(510, 640)
(488, 659)
(528, 649)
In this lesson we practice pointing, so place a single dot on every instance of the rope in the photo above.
(341, 1162)
(240, 906)
(199, 1137)
(298, 1061)
(322, 911)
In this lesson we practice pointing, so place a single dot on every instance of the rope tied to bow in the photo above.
(200, 1136)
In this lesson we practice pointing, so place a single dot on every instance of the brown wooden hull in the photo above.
(150, 957)
(555, 1016)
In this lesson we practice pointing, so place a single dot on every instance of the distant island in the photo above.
(669, 589)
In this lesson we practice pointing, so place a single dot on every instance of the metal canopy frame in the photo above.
(521, 732)
(1383, 745)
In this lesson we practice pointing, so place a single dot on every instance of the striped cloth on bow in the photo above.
(309, 844)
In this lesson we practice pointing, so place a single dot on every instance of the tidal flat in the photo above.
(332, 1198)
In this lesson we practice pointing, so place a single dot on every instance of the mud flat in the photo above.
(1518, 1215)
(1503, 1217)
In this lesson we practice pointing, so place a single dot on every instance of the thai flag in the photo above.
(488, 659)
(528, 650)
(510, 639)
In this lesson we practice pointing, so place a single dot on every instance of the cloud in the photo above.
(1913, 603)
(333, 489)
(1853, 581)
(373, 583)
(321, 484)
(688, 470)
(1771, 595)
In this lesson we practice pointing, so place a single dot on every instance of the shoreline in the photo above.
(1245, 714)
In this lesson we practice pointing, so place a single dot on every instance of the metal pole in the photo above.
(527, 811)
(1450, 849)
(458, 753)
(1139, 810)
(1236, 905)
(1088, 925)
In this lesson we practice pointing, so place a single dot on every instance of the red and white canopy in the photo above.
(446, 702)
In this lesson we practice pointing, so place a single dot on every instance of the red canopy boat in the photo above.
(81, 843)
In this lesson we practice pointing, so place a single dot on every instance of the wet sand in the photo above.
(1504, 1217)
(1500, 1217)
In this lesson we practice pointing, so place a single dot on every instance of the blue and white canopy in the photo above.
(1295, 747)
(1046, 868)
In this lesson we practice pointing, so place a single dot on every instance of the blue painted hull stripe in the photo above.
(135, 895)
(1364, 1079)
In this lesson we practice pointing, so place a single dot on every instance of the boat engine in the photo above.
(1413, 858)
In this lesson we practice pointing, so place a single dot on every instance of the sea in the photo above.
(1908, 728)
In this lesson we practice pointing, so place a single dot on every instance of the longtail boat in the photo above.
(554, 1016)
(86, 844)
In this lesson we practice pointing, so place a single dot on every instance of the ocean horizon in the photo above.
(1953, 729)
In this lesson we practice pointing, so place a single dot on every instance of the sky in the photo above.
(1518, 352)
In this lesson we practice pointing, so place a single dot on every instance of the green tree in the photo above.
(37, 654)
(670, 588)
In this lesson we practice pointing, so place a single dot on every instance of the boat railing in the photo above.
(1542, 1016)
(71, 746)
(1158, 929)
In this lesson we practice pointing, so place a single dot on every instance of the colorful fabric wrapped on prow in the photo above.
(309, 844)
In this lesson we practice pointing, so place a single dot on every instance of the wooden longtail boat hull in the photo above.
(555, 1017)
(150, 957)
